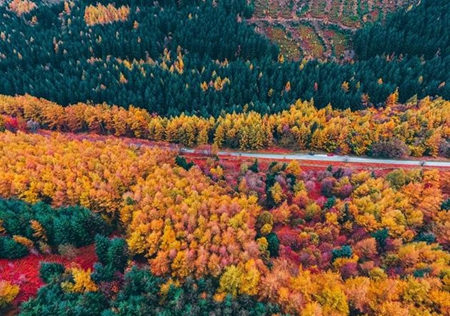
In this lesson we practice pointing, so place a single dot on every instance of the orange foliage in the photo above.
(300, 292)
(187, 226)
(423, 128)
(94, 175)
(21, 7)
(182, 221)
(101, 14)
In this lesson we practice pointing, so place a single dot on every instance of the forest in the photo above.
(104, 211)
(419, 128)
(167, 58)
(256, 238)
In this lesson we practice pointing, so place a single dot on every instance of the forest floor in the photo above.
(24, 270)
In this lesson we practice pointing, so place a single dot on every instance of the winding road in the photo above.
(334, 158)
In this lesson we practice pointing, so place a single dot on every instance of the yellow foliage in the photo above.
(164, 288)
(250, 278)
(8, 293)
(263, 244)
(230, 281)
(39, 231)
(101, 14)
(219, 83)
(72, 168)
(421, 128)
(277, 193)
(241, 279)
(24, 241)
(82, 281)
(204, 86)
(266, 229)
(345, 86)
(294, 168)
(21, 7)
(122, 78)
(312, 309)
(392, 98)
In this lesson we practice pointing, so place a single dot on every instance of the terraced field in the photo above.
(289, 46)
(329, 23)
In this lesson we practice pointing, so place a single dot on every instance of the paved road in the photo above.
(298, 156)
(336, 158)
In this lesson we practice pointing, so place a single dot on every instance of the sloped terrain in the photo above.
(325, 25)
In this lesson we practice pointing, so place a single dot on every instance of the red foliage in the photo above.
(11, 124)
(349, 269)
(289, 237)
(25, 271)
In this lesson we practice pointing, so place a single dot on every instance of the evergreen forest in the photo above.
(195, 57)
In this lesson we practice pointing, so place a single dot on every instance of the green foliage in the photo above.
(329, 203)
(181, 161)
(96, 54)
(140, 294)
(420, 273)
(77, 228)
(274, 244)
(445, 206)
(381, 236)
(343, 252)
(103, 273)
(68, 225)
(118, 254)
(10, 249)
(138, 282)
(254, 166)
(429, 238)
(102, 245)
(422, 31)
(52, 300)
(49, 271)
(397, 178)
(113, 257)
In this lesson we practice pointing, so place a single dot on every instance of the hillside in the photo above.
(319, 28)
(166, 158)
(167, 59)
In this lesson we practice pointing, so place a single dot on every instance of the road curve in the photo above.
(335, 158)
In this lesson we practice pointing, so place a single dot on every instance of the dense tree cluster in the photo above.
(196, 57)
(181, 222)
(418, 128)
(356, 236)
(208, 236)
(94, 175)
(421, 32)
(24, 227)
(333, 241)
(135, 291)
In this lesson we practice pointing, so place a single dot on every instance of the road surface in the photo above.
(335, 158)
(274, 156)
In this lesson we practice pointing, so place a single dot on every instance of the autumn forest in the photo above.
(127, 181)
